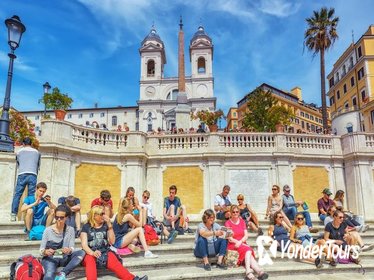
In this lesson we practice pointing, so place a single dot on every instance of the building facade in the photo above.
(351, 85)
(164, 102)
(232, 119)
(308, 118)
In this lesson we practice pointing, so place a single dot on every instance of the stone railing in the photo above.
(369, 140)
(99, 137)
(181, 141)
(252, 140)
(309, 142)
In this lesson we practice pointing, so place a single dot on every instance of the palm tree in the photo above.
(318, 38)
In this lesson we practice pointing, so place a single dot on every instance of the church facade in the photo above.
(164, 102)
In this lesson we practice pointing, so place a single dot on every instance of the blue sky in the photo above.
(89, 48)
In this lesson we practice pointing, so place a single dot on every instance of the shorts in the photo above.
(40, 221)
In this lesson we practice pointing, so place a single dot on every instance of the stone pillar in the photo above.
(135, 175)
(8, 173)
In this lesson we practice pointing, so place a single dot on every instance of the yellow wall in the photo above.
(91, 179)
(189, 182)
(309, 183)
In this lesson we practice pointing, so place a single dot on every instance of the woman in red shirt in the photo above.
(238, 243)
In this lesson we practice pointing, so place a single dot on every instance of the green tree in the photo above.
(264, 113)
(57, 100)
(319, 36)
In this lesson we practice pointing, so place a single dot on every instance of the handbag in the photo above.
(231, 259)
(211, 249)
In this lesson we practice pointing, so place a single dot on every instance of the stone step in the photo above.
(195, 270)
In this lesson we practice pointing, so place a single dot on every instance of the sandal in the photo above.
(263, 276)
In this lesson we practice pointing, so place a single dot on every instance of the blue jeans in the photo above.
(69, 262)
(322, 217)
(201, 248)
(22, 181)
(292, 211)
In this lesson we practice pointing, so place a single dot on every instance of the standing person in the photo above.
(208, 233)
(174, 211)
(74, 205)
(96, 237)
(238, 242)
(290, 208)
(248, 215)
(28, 164)
(57, 247)
(34, 206)
(324, 203)
(275, 203)
(222, 203)
(105, 201)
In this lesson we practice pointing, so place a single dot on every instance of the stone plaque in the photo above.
(253, 184)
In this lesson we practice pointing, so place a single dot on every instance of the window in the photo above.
(337, 77)
(70, 116)
(91, 115)
(151, 68)
(352, 81)
(360, 73)
(137, 126)
(234, 114)
(372, 117)
(346, 105)
(172, 95)
(338, 94)
(137, 114)
(114, 120)
(359, 51)
(102, 115)
(344, 70)
(308, 126)
(80, 116)
(354, 101)
(307, 116)
(201, 65)
(331, 82)
(302, 114)
(36, 117)
(313, 128)
(149, 122)
(363, 95)
(332, 100)
(302, 124)
(311, 118)
(345, 88)
(350, 62)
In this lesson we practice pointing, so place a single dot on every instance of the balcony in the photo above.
(343, 111)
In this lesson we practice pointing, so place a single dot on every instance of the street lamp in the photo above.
(15, 31)
(46, 88)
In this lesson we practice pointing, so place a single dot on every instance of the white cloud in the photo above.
(279, 8)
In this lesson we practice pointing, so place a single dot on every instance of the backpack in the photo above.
(36, 233)
(26, 267)
(151, 236)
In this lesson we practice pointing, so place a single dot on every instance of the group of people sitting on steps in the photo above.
(341, 229)
(104, 236)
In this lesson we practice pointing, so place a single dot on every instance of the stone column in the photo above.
(8, 173)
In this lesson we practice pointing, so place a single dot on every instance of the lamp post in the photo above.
(15, 31)
(46, 88)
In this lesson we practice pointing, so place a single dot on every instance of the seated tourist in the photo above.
(348, 216)
(207, 235)
(57, 247)
(222, 203)
(105, 201)
(174, 210)
(324, 203)
(97, 235)
(330, 215)
(341, 235)
(238, 242)
(290, 207)
(275, 203)
(35, 206)
(248, 215)
(279, 231)
(74, 219)
(128, 230)
(300, 234)
(150, 218)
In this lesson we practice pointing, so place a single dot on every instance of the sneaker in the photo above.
(145, 277)
(260, 232)
(367, 247)
(13, 217)
(60, 276)
(263, 276)
(318, 262)
(364, 228)
(207, 267)
(221, 266)
(172, 236)
(150, 255)
(333, 262)
(188, 230)
(313, 230)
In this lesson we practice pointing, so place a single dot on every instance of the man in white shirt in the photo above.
(222, 203)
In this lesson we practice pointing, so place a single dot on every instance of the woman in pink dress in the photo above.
(238, 243)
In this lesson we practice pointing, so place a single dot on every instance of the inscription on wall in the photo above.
(253, 184)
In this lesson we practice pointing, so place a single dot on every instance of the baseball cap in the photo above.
(327, 191)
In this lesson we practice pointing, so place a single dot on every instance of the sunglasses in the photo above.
(240, 198)
(287, 191)
(300, 219)
(235, 212)
(274, 189)
(145, 197)
(59, 218)
(280, 217)
(106, 199)
(101, 214)
(341, 217)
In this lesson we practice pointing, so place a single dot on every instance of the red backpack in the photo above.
(151, 236)
(27, 267)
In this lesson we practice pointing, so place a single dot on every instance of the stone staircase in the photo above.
(176, 261)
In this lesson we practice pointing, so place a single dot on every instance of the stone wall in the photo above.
(82, 161)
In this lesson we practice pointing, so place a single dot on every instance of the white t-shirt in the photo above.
(147, 205)
(219, 200)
